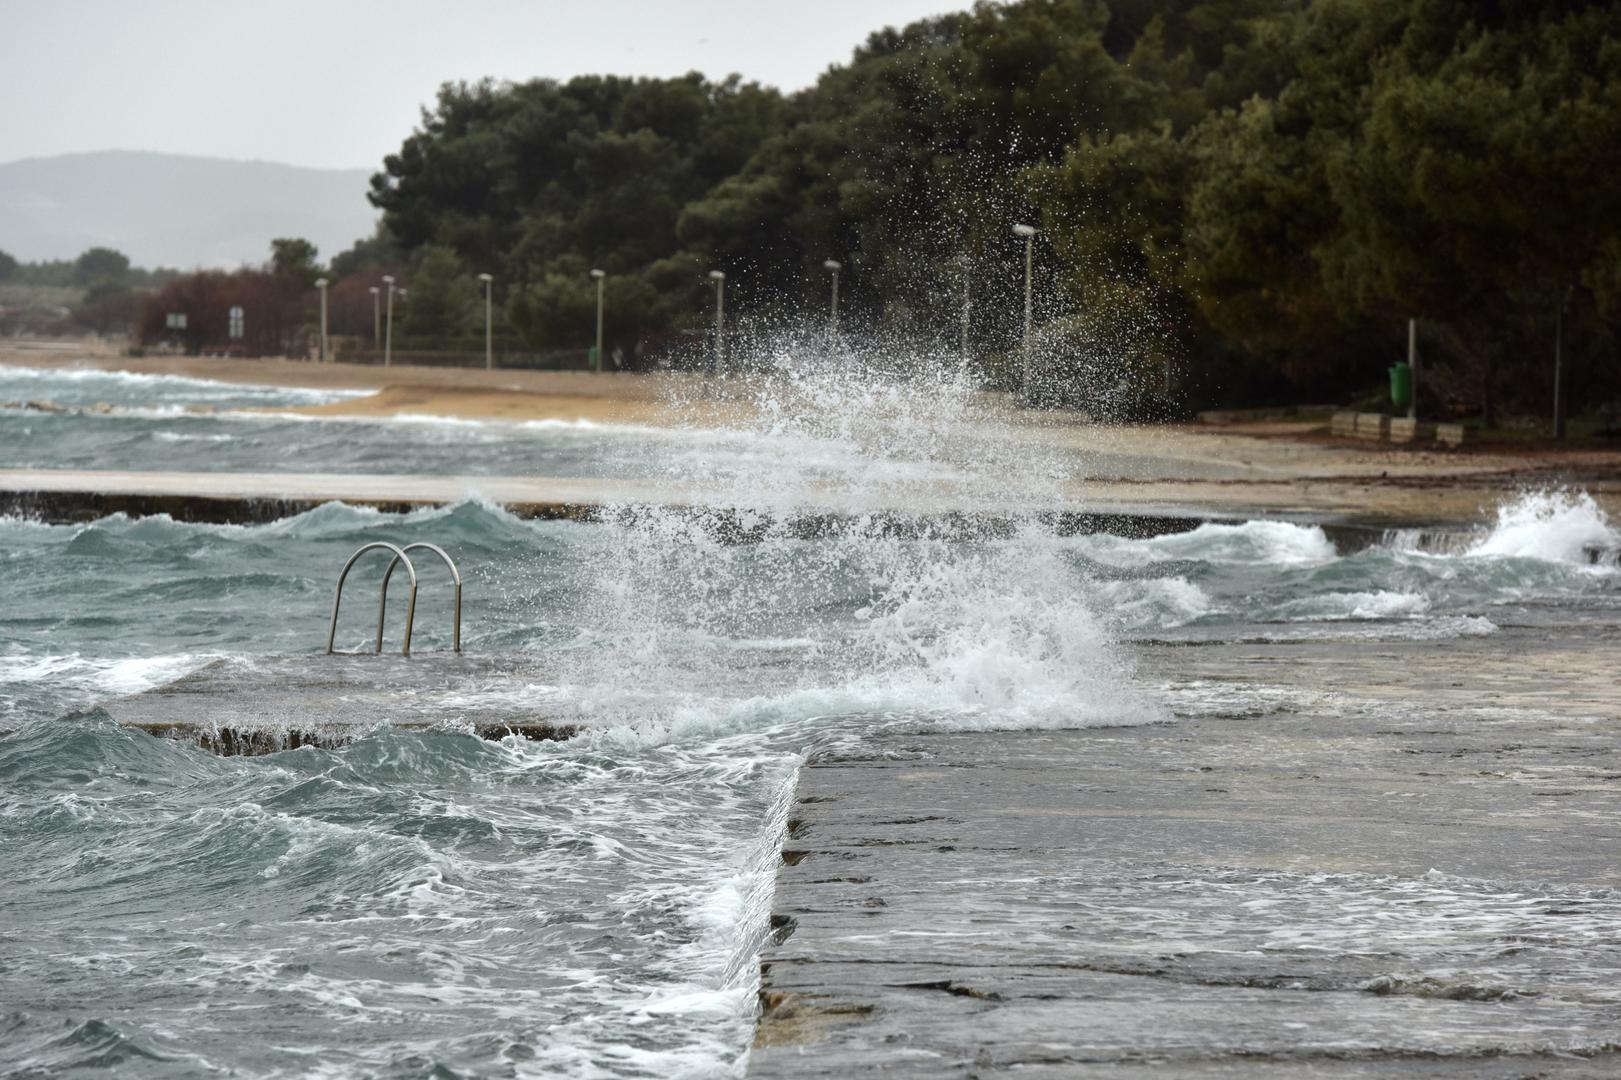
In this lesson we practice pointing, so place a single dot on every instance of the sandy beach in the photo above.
(1272, 467)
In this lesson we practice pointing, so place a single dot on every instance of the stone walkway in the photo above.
(1376, 875)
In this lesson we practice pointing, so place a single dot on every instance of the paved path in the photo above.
(1361, 883)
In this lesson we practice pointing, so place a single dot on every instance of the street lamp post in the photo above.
(388, 323)
(600, 276)
(1412, 365)
(489, 346)
(376, 317)
(833, 309)
(320, 283)
(719, 278)
(1029, 234)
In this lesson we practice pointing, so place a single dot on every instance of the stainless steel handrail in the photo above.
(410, 611)
(455, 577)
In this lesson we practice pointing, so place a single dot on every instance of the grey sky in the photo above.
(338, 84)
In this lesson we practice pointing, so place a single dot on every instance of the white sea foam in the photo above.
(1153, 603)
(1374, 604)
(104, 677)
(995, 633)
(1269, 543)
(1552, 526)
(192, 437)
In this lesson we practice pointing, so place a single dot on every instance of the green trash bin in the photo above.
(1401, 385)
(594, 360)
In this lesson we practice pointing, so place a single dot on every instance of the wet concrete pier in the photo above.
(1405, 869)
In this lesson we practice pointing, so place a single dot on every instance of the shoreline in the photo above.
(1259, 468)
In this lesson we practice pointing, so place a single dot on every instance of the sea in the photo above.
(427, 903)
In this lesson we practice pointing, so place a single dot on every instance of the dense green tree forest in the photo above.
(1238, 200)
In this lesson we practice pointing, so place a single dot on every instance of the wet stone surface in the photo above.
(265, 704)
(1367, 888)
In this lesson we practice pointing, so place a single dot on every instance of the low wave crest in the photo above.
(1553, 526)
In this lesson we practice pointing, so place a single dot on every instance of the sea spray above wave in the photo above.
(1553, 526)
(1001, 631)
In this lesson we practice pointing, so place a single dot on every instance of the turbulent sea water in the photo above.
(430, 904)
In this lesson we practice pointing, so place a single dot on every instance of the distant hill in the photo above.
(171, 210)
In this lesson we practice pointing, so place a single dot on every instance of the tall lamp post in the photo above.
(489, 344)
(599, 275)
(833, 309)
(320, 283)
(376, 317)
(1029, 234)
(388, 323)
(719, 278)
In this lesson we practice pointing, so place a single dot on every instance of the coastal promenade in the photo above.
(1405, 869)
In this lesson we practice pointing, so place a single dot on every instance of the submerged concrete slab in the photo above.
(264, 704)
(1380, 886)
(70, 495)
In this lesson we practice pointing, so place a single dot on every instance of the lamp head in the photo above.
(599, 274)
(374, 290)
(1025, 231)
(486, 278)
(320, 283)
(833, 265)
(717, 275)
(388, 279)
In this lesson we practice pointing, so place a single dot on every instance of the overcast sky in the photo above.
(339, 83)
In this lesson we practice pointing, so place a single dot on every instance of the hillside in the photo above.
(171, 210)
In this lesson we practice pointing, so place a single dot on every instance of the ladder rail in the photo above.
(456, 602)
(410, 611)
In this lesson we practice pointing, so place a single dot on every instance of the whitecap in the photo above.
(1551, 526)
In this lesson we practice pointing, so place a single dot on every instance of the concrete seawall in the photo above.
(73, 495)
(66, 496)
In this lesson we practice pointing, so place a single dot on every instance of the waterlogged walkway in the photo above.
(1407, 867)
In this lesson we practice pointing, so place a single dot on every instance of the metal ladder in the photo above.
(400, 556)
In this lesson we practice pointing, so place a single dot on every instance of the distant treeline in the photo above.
(1239, 201)
(1243, 198)
(99, 291)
